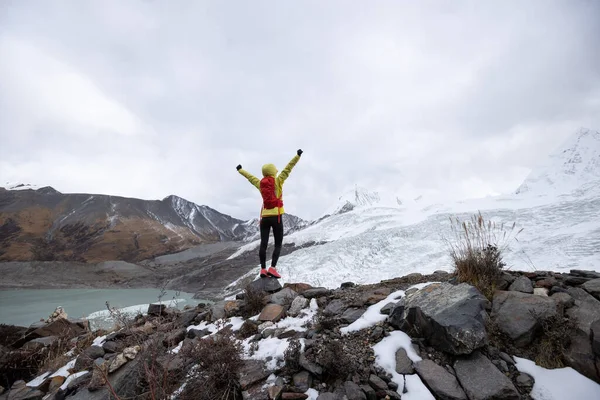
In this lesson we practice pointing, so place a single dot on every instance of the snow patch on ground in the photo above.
(385, 357)
(559, 383)
(373, 314)
(272, 348)
(38, 380)
(312, 394)
(64, 370)
(72, 378)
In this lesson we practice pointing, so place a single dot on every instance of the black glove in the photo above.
(300, 152)
(238, 167)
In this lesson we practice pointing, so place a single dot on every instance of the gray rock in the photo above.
(525, 381)
(197, 333)
(327, 396)
(504, 281)
(86, 359)
(112, 347)
(514, 314)
(595, 336)
(156, 308)
(377, 333)
(387, 309)
(580, 357)
(507, 358)
(392, 395)
(353, 391)
(522, 284)
(175, 337)
(335, 307)
(316, 292)
(586, 309)
(302, 381)
(186, 318)
(268, 285)
(397, 316)
(404, 365)
(217, 311)
(441, 382)
(351, 315)
(481, 380)
(347, 285)
(501, 365)
(377, 383)
(450, 317)
(299, 303)
(563, 299)
(20, 391)
(576, 280)
(283, 297)
(369, 392)
(252, 371)
(585, 274)
(310, 366)
(592, 287)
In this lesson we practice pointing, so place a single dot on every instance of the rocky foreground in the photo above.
(415, 337)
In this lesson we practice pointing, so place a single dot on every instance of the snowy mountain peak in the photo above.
(574, 166)
(362, 197)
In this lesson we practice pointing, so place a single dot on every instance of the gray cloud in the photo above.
(151, 98)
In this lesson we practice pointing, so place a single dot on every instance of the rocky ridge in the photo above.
(382, 341)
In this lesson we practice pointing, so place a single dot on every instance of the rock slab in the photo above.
(271, 313)
(515, 314)
(441, 382)
(404, 365)
(450, 317)
(522, 284)
(481, 380)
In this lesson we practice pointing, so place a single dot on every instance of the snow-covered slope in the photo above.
(249, 230)
(369, 243)
(573, 167)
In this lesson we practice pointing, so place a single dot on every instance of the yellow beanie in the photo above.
(269, 170)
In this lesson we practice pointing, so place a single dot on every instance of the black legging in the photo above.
(265, 228)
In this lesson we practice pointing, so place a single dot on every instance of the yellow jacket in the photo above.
(271, 170)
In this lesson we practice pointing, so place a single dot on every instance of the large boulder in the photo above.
(268, 285)
(441, 382)
(522, 284)
(595, 328)
(592, 287)
(283, 297)
(482, 380)
(519, 314)
(60, 328)
(299, 303)
(586, 313)
(450, 317)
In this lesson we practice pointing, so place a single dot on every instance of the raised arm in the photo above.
(288, 168)
(251, 178)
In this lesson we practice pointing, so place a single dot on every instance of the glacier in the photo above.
(367, 237)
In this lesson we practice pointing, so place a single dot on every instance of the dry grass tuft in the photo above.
(215, 376)
(477, 249)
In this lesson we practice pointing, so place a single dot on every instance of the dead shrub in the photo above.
(477, 249)
(215, 375)
(291, 357)
(554, 341)
(334, 359)
(254, 302)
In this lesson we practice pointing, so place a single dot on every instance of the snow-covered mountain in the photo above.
(44, 224)
(558, 206)
(249, 230)
(573, 168)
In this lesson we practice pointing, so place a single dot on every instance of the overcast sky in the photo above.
(151, 98)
